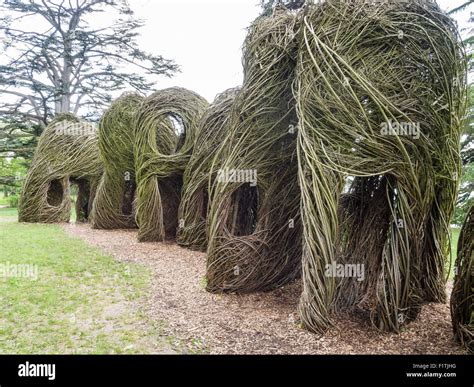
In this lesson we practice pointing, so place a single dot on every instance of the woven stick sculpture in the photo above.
(462, 296)
(161, 154)
(113, 205)
(193, 209)
(67, 152)
(380, 97)
(254, 226)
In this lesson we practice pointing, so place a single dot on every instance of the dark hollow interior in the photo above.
(55, 193)
(170, 192)
(128, 196)
(83, 202)
(242, 217)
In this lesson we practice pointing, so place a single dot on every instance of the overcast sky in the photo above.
(205, 38)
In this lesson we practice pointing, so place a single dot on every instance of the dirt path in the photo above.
(263, 323)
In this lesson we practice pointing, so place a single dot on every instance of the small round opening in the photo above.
(170, 133)
(179, 129)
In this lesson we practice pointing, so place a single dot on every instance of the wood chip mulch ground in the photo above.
(262, 323)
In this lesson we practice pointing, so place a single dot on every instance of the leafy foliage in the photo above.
(65, 64)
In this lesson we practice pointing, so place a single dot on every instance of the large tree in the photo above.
(64, 63)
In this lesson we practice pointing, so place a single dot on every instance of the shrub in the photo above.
(13, 201)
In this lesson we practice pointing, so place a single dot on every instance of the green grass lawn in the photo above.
(8, 213)
(81, 301)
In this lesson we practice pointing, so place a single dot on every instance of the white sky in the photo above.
(204, 37)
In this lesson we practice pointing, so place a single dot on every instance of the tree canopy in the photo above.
(55, 58)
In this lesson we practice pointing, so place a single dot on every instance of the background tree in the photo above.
(65, 64)
(268, 5)
(466, 189)
(12, 173)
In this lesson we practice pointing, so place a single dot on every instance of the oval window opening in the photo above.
(55, 193)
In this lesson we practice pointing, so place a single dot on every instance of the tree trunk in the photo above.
(65, 101)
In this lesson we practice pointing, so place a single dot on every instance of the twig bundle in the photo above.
(254, 226)
(193, 209)
(462, 296)
(368, 73)
(67, 152)
(166, 128)
(113, 205)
